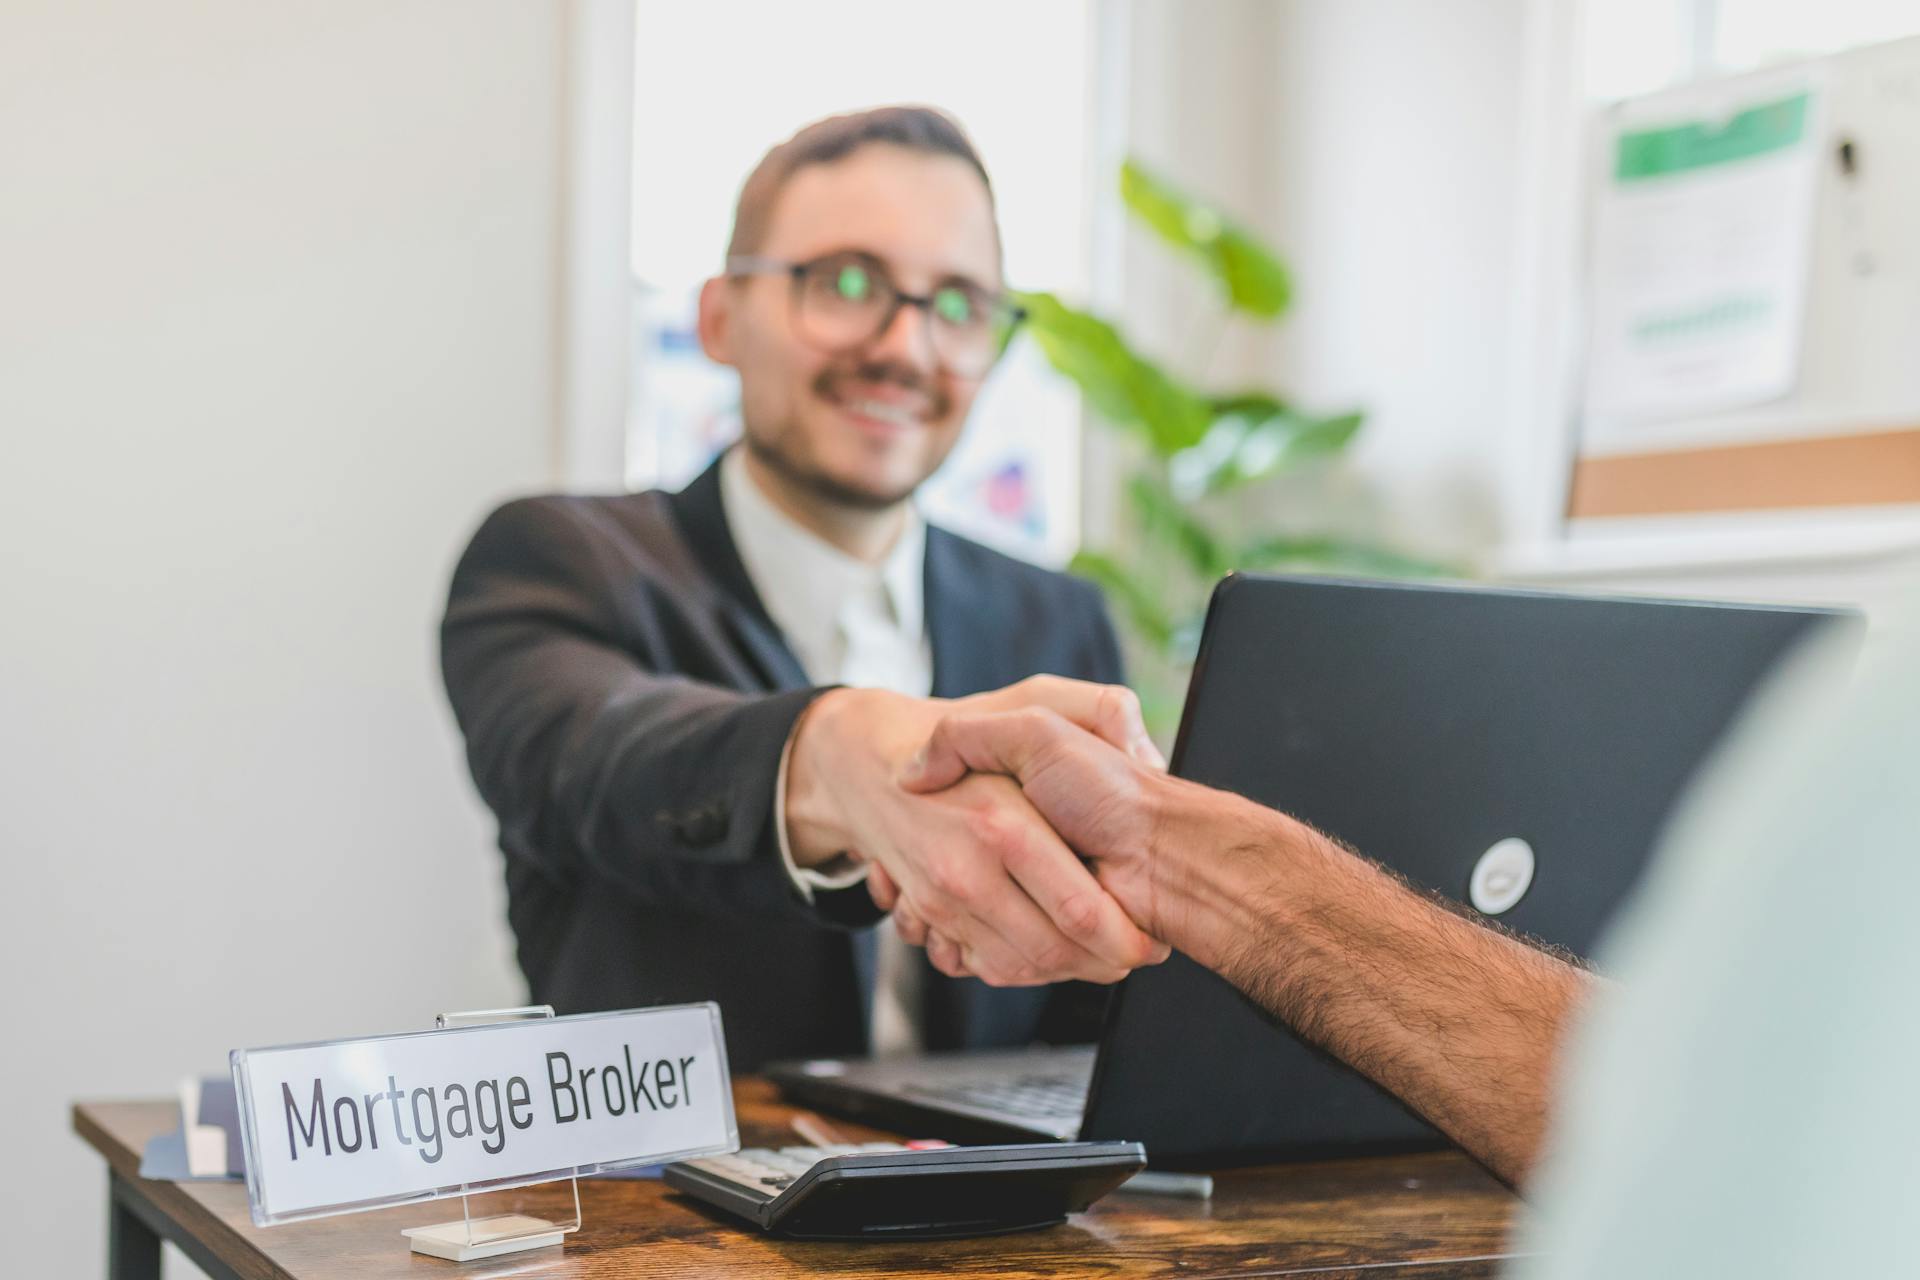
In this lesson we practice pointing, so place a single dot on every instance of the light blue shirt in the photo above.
(1745, 1101)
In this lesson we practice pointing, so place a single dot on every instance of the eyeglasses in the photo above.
(845, 300)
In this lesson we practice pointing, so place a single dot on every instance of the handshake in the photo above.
(1010, 833)
(1032, 835)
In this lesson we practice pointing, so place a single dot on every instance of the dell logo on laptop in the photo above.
(1502, 876)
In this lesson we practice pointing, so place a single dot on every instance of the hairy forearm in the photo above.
(1460, 1021)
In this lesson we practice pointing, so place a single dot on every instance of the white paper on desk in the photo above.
(1703, 238)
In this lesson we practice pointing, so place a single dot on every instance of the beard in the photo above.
(784, 449)
(813, 479)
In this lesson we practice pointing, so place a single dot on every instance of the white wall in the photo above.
(1395, 146)
(277, 324)
(1376, 146)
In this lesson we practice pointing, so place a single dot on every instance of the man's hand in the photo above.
(1457, 1019)
(1099, 800)
(1011, 902)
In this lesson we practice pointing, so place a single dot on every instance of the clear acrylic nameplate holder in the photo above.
(637, 1087)
(492, 1234)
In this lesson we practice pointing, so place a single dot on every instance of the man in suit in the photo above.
(688, 710)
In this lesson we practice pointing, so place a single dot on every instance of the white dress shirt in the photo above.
(851, 623)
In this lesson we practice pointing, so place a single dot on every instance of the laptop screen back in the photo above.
(1424, 726)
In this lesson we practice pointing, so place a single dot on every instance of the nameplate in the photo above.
(359, 1124)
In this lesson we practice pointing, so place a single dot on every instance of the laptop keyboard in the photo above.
(1042, 1096)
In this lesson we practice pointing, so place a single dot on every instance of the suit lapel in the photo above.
(703, 520)
(963, 623)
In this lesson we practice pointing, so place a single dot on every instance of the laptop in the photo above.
(1518, 751)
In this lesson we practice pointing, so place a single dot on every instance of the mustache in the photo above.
(906, 377)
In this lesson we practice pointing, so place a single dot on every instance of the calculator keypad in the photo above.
(767, 1171)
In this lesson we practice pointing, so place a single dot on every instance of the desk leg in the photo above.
(133, 1247)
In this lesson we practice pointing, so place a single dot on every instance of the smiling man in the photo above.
(688, 709)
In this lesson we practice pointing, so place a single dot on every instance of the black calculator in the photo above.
(883, 1191)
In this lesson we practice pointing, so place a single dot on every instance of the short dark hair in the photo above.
(923, 129)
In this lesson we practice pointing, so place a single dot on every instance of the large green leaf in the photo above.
(1121, 386)
(1255, 280)
(1255, 434)
(1254, 406)
(1167, 522)
(1137, 600)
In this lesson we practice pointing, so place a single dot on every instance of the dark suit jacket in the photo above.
(625, 700)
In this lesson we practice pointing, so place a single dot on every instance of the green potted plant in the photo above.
(1196, 450)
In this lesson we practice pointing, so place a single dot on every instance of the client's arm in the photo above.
(1459, 1020)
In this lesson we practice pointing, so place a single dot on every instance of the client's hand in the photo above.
(971, 858)
(1099, 800)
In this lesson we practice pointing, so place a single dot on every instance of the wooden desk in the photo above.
(1425, 1217)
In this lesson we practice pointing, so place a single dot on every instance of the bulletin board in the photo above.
(1753, 307)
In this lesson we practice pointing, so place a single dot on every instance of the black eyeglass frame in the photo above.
(1011, 314)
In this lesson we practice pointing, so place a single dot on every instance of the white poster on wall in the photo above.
(1702, 243)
